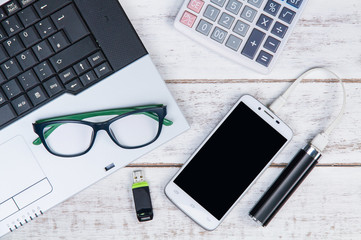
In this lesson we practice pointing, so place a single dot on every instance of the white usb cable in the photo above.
(321, 140)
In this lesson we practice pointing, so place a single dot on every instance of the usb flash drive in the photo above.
(141, 196)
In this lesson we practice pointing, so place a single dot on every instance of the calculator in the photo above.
(250, 32)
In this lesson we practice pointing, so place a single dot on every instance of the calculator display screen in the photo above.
(230, 160)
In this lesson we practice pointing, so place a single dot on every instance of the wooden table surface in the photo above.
(326, 206)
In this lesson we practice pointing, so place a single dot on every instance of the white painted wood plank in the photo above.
(326, 206)
(310, 110)
(327, 34)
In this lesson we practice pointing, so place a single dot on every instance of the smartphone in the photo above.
(228, 162)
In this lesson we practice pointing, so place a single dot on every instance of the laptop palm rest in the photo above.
(21, 179)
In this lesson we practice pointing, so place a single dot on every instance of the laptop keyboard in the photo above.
(46, 50)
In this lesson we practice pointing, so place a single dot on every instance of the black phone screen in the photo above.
(230, 160)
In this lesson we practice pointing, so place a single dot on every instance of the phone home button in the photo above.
(176, 192)
(192, 206)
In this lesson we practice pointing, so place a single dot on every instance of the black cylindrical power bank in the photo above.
(288, 181)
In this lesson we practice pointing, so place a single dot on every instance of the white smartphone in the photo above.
(228, 162)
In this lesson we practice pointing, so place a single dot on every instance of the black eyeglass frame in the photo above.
(160, 112)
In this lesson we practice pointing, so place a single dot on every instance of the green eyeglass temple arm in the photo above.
(82, 116)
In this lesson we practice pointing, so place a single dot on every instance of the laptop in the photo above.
(62, 57)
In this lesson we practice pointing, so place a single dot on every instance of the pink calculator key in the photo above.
(195, 5)
(188, 19)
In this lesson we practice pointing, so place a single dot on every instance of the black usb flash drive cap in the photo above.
(141, 196)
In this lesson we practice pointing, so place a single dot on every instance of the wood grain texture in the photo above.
(322, 208)
(326, 206)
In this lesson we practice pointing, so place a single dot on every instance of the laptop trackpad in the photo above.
(21, 179)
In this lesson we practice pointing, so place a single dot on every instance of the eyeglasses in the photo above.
(71, 136)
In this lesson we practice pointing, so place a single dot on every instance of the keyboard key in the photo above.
(21, 104)
(253, 43)
(226, 20)
(233, 42)
(96, 59)
(28, 79)
(272, 7)
(295, 3)
(233, 6)
(249, 14)
(272, 44)
(3, 54)
(37, 95)
(43, 71)
(74, 86)
(43, 50)
(67, 75)
(6, 114)
(264, 58)
(70, 21)
(25, 3)
(2, 98)
(81, 67)
(219, 2)
(88, 78)
(28, 16)
(11, 7)
(264, 22)
(188, 19)
(241, 28)
(11, 68)
(195, 5)
(2, 14)
(52, 86)
(59, 41)
(47, 7)
(102, 70)
(29, 37)
(45, 28)
(12, 25)
(256, 3)
(211, 13)
(204, 27)
(11, 89)
(2, 78)
(13, 46)
(219, 35)
(27, 59)
(287, 15)
(279, 30)
(3, 35)
(73, 54)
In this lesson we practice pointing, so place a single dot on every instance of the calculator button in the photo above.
(226, 20)
(195, 5)
(295, 3)
(233, 42)
(264, 22)
(233, 6)
(279, 30)
(253, 43)
(272, 7)
(241, 28)
(188, 19)
(219, 2)
(272, 44)
(204, 27)
(211, 13)
(287, 15)
(219, 35)
(256, 3)
(248, 13)
(264, 58)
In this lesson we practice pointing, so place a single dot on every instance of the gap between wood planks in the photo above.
(273, 165)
